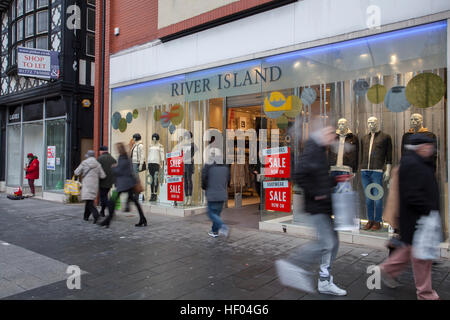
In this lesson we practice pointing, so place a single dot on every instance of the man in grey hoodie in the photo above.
(215, 179)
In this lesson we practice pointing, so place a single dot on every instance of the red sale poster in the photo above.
(175, 189)
(175, 163)
(278, 195)
(277, 162)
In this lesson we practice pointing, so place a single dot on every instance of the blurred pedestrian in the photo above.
(91, 172)
(106, 161)
(125, 180)
(32, 171)
(215, 179)
(419, 195)
(312, 174)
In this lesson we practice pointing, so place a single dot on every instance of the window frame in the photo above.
(26, 6)
(37, 22)
(87, 19)
(46, 41)
(87, 41)
(26, 26)
(23, 8)
(38, 6)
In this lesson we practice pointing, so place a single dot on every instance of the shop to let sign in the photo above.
(175, 189)
(277, 162)
(277, 195)
(37, 63)
(51, 157)
(175, 163)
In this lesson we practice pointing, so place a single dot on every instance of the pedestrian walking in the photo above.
(125, 180)
(419, 197)
(215, 179)
(32, 171)
(106, 161)
(91, 172)
(312, 174)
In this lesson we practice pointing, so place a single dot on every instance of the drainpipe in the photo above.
(102, 89)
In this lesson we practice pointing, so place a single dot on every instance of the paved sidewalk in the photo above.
(172, 258)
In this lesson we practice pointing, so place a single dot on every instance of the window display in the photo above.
(155, 165)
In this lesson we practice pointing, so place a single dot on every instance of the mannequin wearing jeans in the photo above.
(376, 149)
(155, 163)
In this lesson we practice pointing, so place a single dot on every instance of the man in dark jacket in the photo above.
(419, 194)
(107, 161)
(215, 179)
(312, 174)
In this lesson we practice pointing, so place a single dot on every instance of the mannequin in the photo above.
(137, 153)
(189, 149)
(376, 150)
(416, 126)
(155, 164)
(344, 156)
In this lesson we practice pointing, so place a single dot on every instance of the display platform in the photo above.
(170, 210)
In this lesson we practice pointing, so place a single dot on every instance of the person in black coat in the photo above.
(419, 194)
(312, 174)
(125, 180)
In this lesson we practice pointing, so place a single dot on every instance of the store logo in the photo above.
(276, 101)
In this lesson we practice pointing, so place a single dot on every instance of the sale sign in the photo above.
(277, 162)
(277, 195)
(175, 189)
(51, 157)
(175, 163)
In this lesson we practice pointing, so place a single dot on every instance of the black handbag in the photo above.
(144, 167)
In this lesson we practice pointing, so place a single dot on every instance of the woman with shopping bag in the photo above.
(419, 220)
(91, 172)
(125, 181)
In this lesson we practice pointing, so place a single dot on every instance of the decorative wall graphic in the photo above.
(172, 129)
(115, 120)
(157, 115)
(308, 96)
(425, 90)
(122, 125)
(275, 104)
(177, 114)
(282, 122)
(360, 87)
(165, 119)
(129, 117)
(297, 107)
(135, 113)
(376, 93)
(395, 99)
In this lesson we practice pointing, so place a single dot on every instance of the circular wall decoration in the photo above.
(115, 120)
(122, 125)
(129, 117)
(297, 107)
(308, 96)
(379, 194)
(376, 93)
(165, 119)
(157, 115)
(172, 129)
(425, 90)
(135, 113)
(395, 99)
(176, 114)
(360, 87)
(282, 122)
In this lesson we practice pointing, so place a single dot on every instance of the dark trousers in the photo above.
(31, 184)
(131, 197)
(104, 199)
(153, 170)
(188, 170)
(90, 208)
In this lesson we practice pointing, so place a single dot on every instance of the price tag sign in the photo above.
(278, 195)
(175, 189)
(175, 163)
(277, 162)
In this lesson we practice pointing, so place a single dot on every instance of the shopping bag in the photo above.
(72, 187)
(138, 188)
(427, 237)
(115, 197)
(345, 208)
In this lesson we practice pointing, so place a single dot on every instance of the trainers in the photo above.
(224, 231)
(328, 287)
(213, 234)
(295, 277)
(389, 281)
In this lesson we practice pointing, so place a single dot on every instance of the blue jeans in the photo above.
(214, 210)
(368, 177)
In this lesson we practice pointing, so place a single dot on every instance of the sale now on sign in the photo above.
(175, 189)
(277, 162)
(175, 163)
(278, 195)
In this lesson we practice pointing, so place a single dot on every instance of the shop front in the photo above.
(260, 112)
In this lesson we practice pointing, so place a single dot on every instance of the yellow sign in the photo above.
(276, 101)
(86, 103)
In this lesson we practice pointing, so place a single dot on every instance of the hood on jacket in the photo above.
(91, 162)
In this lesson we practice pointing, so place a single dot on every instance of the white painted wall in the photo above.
(244, 39)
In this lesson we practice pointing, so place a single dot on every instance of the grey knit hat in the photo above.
(90, 153)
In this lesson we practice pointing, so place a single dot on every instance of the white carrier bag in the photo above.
(345, 207)
(427, 237)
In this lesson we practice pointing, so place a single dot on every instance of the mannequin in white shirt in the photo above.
(155, 164)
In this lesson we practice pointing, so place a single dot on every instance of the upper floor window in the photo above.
(91, 2)
(29, 5)
(90, 28)
(42, 3)
(19, 8)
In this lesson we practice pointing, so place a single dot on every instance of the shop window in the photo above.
(14, 161)
(14, 114)
(33, 140)
(32, 112)
(42, 22)
(55, 108)
(55, 169)
(90, 45)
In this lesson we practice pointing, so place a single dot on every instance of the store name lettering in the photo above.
(226, 81)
